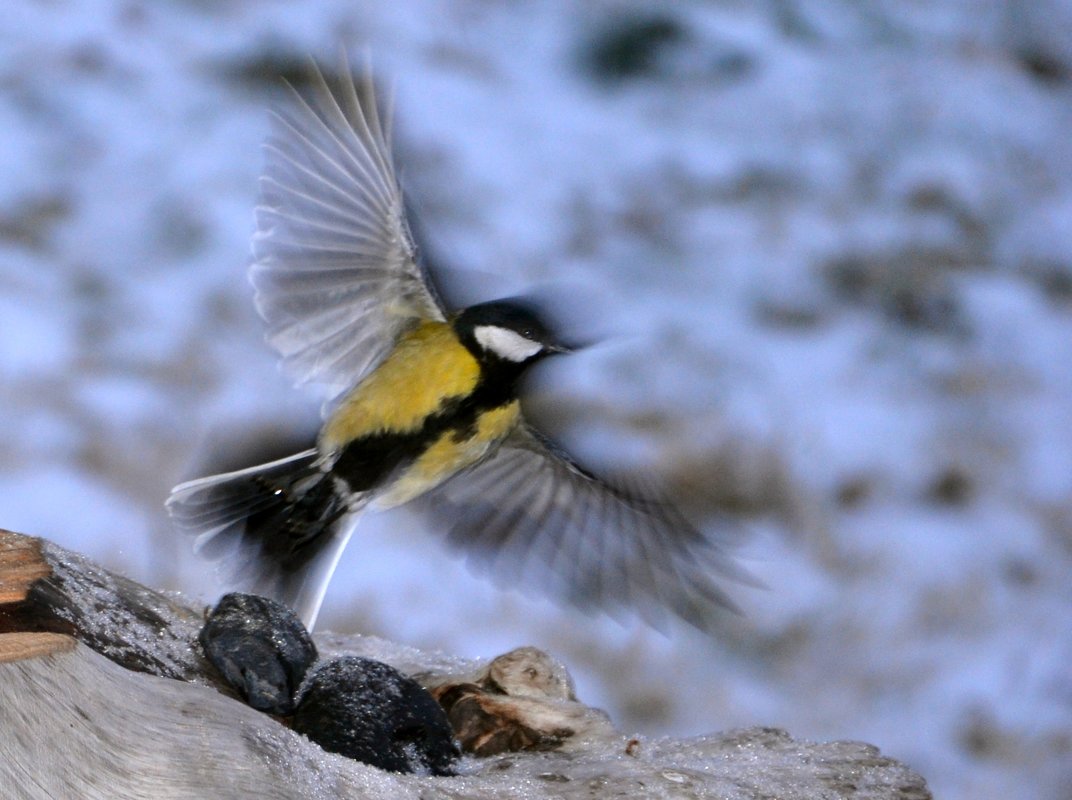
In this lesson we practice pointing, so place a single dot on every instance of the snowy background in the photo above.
(832, 242)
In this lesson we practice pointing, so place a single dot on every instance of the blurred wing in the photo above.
(335, 268)
(530, 516)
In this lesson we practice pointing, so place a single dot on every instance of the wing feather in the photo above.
(529, 515)
(335, 268)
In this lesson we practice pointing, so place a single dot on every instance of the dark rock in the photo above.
(371, 712)
(261, 648)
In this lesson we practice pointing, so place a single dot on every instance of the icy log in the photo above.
(105, 694)
(44, 588)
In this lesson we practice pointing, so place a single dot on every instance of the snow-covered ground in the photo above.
(833, 241)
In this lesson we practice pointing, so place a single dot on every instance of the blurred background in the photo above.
(831, 241)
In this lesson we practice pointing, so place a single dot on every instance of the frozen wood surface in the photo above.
(104, 693)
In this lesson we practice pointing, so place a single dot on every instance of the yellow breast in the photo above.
(428, 367)
(448, 455)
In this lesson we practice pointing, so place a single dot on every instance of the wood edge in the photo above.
(22, 646)
(22, 562)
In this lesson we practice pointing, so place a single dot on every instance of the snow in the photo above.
(834, 239)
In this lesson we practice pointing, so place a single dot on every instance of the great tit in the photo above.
(421, 404)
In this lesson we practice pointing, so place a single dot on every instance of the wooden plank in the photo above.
(22, 646)
(21, 563)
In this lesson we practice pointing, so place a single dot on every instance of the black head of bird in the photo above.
(509, 334)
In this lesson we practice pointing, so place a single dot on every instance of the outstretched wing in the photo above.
(335, 267)
(530, 516)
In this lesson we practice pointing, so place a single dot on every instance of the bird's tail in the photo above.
(278, 528)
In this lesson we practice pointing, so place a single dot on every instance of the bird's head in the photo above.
(511, 332)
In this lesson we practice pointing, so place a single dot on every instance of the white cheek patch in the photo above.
(506, 343)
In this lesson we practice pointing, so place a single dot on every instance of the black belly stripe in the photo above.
(370, 461)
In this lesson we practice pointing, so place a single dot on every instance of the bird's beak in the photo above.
(557, 348)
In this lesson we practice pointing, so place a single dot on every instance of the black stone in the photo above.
(371, 712)
(261, 648)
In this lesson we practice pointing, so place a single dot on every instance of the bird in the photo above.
(422, 405)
